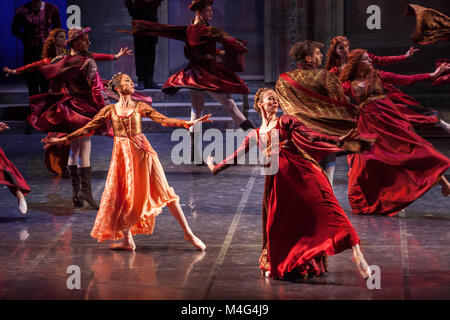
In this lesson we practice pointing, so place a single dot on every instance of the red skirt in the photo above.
(417, 114)
(304, 218)
(399, 169)
(11, 177)
(210, 76)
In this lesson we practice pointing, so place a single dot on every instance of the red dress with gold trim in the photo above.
(11, 177)
(302, 219)
(401, 166)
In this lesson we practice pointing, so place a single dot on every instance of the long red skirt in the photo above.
(209, 76)
(399, 169)
(304, 218)
(11, 177)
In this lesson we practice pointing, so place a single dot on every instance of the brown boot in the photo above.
(73, 172)
(85, 194)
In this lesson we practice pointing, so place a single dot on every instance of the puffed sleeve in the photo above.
(147, 111)
(296, 127)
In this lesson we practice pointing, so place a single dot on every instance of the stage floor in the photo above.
(412, 251)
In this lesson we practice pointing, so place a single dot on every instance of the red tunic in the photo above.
(416, 113)
(203, 71)
(304, 219)
(11, 177)
(401, 166)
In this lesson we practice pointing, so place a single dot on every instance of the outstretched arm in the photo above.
(388, 60)
(410, 79)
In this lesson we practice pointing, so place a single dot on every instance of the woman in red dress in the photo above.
(11, 177)
(416, 113)
(402, 166)
(74, 99)
(302, 219)
(204, 74)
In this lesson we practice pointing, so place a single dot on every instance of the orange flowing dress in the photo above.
(136, 188)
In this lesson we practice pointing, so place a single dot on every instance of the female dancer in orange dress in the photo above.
(402, 166)
(302, 219)
(416, 113)
(136, 188)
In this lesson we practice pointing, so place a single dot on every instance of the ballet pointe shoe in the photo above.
(22, 206)
(195, 241)
(124, 245)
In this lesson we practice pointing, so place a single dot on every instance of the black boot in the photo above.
(73, 172)
(85, 194)
(247, 124)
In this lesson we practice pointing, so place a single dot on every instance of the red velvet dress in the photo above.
(11, 177)
(401, 166)
(304, 219)
(416, 113)
(203, 71)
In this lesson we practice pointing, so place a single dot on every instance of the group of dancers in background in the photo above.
(349, 108)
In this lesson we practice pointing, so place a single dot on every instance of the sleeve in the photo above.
(229, 42)
(156, 29)
(298, 128)
(240, 151)
(149, 112)
(103, 57)
(388, 60)
(16, 26)
(394, 78)
(33, 66)
(101, 117)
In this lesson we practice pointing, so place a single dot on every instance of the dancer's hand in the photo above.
(9, 71)
(443, 68)
(411, 51)
(205, 118)
(122, 52)
(210, 163)
(3, 126)
(53, 141)
(352, 141)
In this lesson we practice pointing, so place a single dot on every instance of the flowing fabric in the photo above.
(431, 25)
(401, 166)
(11, 177)
(302, 219)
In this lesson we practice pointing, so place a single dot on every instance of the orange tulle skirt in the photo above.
(135, 192)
